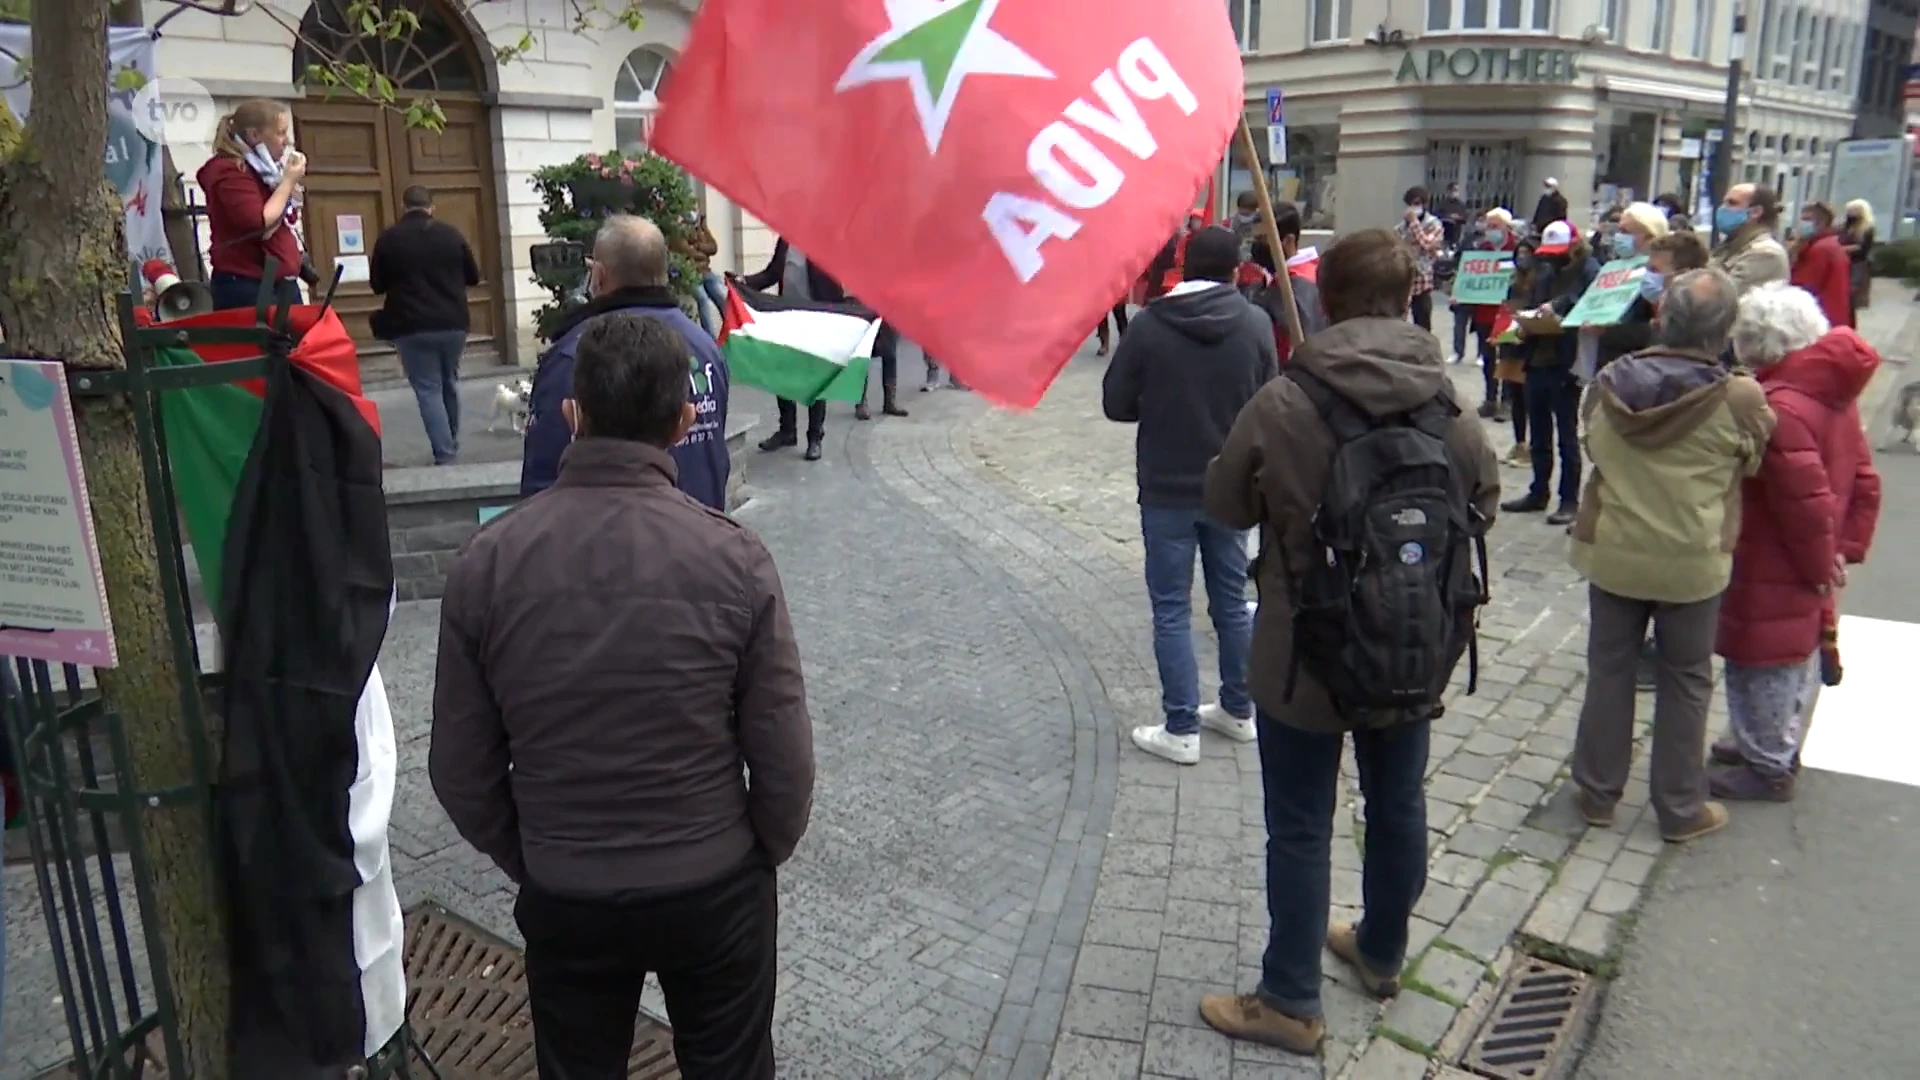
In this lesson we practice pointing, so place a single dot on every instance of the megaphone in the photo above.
(173, 298)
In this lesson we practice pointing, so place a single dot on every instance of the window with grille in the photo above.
(1472, 16)
(1489, 173)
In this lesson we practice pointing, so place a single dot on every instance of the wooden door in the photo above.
(350, 198)
(456, 164)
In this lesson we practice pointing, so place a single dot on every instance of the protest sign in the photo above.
(1483, 277)
(1610, 295)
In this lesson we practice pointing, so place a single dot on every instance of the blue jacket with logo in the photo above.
(701, 457)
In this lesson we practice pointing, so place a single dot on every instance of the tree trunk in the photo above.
(62, 260)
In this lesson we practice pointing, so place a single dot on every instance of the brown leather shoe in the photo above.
(1713, 817)
(1245, 1016)
(1343, 940)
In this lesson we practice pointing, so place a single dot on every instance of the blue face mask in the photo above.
(1730, 218)
(1652, 287)
(1622, 246)
(1496, 237)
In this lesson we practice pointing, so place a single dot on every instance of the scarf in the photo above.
(270, 171)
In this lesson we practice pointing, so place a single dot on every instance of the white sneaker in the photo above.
(1215, 718)
(1156, 740)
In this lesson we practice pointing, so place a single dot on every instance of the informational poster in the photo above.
(1483, 278)
(353, 239)
(353, 267)
(1610, 295)
(53, 605)
(135, 163)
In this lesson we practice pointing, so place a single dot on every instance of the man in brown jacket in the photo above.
(1272, 473)
(620, 724)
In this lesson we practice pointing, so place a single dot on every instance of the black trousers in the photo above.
(790, 417)
(1422, 310)
(713, 949)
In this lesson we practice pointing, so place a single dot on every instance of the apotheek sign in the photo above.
(1489, 65)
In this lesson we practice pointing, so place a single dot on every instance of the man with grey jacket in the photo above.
(1750, 250)
(620, 724)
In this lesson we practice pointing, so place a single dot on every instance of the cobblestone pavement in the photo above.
(996, 882)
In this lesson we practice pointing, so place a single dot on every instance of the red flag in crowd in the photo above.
(989, 175)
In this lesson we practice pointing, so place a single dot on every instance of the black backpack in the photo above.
(1387, 604)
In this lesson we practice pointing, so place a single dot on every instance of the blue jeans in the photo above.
(1553, 416)
(1172, 536)
(1301, 773)
(431, 360)
(710, 299)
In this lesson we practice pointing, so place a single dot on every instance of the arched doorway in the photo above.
(362, 156)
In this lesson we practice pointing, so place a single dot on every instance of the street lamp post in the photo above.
(1723, 154)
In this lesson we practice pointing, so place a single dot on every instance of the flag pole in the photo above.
(1250, 155)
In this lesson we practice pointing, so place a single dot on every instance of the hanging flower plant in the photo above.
(576, 199)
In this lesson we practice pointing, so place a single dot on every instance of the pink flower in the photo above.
(593, 160)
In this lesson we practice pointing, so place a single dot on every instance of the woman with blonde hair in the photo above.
(251, 184)
(1857, 240)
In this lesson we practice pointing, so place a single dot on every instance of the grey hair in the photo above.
(1698, 311)
(1776, 320)
(1651, 219)
(633, 250)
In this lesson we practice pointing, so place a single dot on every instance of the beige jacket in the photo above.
(1752, 257)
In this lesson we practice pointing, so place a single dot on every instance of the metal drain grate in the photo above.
(467, 1002)
(1533, 1020)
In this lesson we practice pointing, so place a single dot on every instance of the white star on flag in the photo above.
(896, 55)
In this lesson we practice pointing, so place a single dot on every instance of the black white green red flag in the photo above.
(988, 175)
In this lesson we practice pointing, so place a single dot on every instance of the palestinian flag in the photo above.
(210, 429)
(280, 485)
(799, 351)
(1505, 330)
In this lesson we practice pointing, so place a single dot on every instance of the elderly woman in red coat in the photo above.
(1809, 511)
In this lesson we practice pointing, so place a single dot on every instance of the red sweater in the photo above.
(1822, 268)
(236, 204)
(1816, 496)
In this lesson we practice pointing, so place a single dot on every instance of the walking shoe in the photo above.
(861, 412)
(1726, 752)
(1488, 410)
(1245, 1016)
(1215, 718)
(1744, 783)
(1599, 817)
(1713, 817)
(1520, 455)
(1565, 514)
(890, 401)
(813, 449)
(1525, 504)
(1155, 739)
(779, 440)
(1343, 940)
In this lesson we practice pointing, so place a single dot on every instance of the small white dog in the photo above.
(1906, 416)
(510, 400)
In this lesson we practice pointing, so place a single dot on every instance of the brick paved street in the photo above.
(996, 882)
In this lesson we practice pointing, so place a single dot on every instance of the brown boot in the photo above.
(1713, 817)
(890, 401)
(1343, 940)
(1245, 1016)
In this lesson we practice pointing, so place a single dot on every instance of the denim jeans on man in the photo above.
(1553, 417)
(710, 299)
(1300, 771)
(431, 360)
(1173, 536)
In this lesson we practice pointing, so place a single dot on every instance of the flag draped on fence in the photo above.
(988, 175)
(802, 352)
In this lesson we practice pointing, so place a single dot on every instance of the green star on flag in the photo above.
(933, 45)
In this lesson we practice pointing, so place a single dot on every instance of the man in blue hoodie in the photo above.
(628, 273)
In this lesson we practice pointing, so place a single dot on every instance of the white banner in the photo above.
(135, 164)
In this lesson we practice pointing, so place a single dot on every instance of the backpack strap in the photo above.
(1435, 418)
(1343, 417)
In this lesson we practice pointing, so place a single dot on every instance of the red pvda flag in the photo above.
(988, 175)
